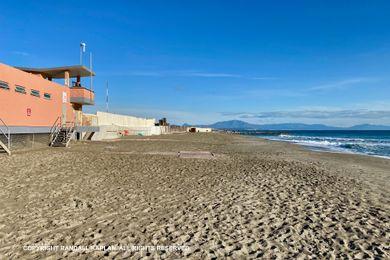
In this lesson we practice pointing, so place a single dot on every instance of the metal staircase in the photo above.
(61, 134)
(5, 140)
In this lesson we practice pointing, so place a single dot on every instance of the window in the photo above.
(35, 93)
(47, 96)
(4, 85)
(20, 89)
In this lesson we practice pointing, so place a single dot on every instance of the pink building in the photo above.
(31, 103)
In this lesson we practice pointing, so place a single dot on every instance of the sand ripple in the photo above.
(259, 201)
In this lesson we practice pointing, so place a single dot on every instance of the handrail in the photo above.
(82, 87)
(7, 135)
(68, 127)
(55, 128)
(55, 124)
(69, 133)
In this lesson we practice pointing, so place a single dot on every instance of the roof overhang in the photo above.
(59, 72)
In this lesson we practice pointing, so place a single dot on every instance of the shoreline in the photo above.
(253, 198)
(319, 147)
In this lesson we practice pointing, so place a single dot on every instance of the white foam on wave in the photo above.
(371, 147)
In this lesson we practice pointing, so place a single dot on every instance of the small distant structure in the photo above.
(162, 122)
(195, 129)
(177, 129)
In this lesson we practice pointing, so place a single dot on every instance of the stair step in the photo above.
(62, 137)
(3, 147)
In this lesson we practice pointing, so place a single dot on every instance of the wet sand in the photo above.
(247, 198)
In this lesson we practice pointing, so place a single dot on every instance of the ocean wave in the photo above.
(369, 146)
(334, 139)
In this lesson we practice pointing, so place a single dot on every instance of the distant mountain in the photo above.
(242, 125)
(297, 126)
(234, 124)
(369, 127)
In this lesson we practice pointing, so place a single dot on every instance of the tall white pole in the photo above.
(107, 97)
(90, 68)
(82, 49)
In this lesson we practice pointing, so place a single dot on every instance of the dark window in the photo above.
(47, 96)
(4, 85)
(35, 93)
(20, 89)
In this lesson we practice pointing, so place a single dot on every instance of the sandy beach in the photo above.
(248, 198)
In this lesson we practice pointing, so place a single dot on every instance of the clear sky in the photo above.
(206, 61)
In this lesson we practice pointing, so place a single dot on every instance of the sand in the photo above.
(240, 197)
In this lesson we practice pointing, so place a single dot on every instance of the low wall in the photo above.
(108, 132)
(112, 126)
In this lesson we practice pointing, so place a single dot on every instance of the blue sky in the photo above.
(206, 61)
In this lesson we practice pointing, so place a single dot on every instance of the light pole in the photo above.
(107, 96)
(90, 68)
(82, 50)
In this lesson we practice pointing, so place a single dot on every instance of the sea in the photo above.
(372, 143)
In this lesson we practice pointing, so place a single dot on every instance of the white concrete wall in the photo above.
(106, 133)
(145, 131)
(90, 120)
(164, 129)
(113, 126)
(113, 132)
(123, 120)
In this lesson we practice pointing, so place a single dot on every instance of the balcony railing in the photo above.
(81, 95)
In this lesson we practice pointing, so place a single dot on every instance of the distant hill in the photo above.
(369, 127)
(242, 125)
(234, 124)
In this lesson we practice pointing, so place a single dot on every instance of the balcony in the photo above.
(82, 96)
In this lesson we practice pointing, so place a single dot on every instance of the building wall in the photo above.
(18, 109)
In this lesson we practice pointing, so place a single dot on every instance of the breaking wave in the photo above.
(362, 143)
